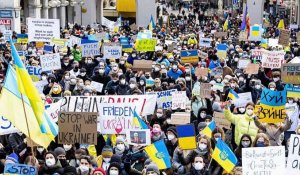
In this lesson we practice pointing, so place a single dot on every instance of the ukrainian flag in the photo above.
(159, 154)
(233, 95)
(255, 30)
(224, 156)
(189, 56)
(264, 43)
(127, 48)
(139, 122)
(226, 23)
(209, 129)
(17, 86)
(186, 136)
(151, 24)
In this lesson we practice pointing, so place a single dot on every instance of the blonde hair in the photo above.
(263, 135)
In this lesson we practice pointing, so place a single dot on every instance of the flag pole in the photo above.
(27, 125)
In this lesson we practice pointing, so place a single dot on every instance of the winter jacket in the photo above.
(45, 170)
(76, 54)
(174, 75)
(193, 171)
(244, 124)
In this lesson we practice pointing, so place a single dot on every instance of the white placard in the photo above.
(43, 30)
(7, 34)
(294, 157)
(205, 42)
(97, 86)
(90, 49)
(243, 63)
(272, 59)
(112, 52)
(50, 62)
(273, 42)
(6, 126)
(53, 109)
(73, 40)
(164, 98)
(179, 100)
(243, 99)
(138, 137)
(263, 160)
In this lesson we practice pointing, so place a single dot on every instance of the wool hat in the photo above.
(99, 170)
(107, 151)
(70, 170)
(115, 164)
(147, 162)
(13, 157)
(152, 167)
(120, 139)
(59, 151)
(116, 158)
(173, 130)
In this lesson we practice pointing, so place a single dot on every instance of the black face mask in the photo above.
(147, 76)
(63, 162)
(76, 69)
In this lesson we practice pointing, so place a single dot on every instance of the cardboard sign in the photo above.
(294, 157)
(96, 86)
(179, 100)
(243, 99)
(284, 37)
(43, 30)
(144, 65)
(243, 63)
(199, 72)
(145, 45)
(273, 42)
(205, 90)
(90, 49)
(6, 126)
(252, 69)
(50, 62)
(205, 42)
(164, 98)
(298, 37)
(112, 52)
(19, 169)
(77, 127)
(218, 71)
(203, 55)
(220, 120)
(138, 137)
(263, 160)
(180, 118)
(220, 34)
(272, 59)
(290, 73)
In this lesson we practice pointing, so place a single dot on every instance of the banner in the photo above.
(272, 106)
(143, 103)
(189, 56)
(22, 38)
(290, 73)
(6, 126)
(243, 63)
(264, 160)
(50, 62)
(205, 42)
(272, 59)
(145, 45)
(112, 52)
(292, 91)
(19, 169)
(34, 72)
(77, 127)
(294, 157)
(90, 49)
(43, 30)
(179, 100)
(164, 98)
(256, 54)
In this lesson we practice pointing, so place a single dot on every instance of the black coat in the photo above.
(195, 172)
(44, 170)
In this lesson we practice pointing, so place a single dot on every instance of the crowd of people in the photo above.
(112, 155)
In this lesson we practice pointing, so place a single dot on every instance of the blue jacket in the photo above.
(174, 75)
(213, 65)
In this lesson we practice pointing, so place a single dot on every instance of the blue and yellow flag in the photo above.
(209, 129)
(281, 25)
(139, 122)
(186, 136)
(151, 24)
(244, 23)
(226, 24)
(224, 156)
(232, 95)
(159, 154)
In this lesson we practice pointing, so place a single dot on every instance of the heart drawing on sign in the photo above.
(118, 129)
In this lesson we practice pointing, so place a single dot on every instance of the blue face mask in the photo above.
(260, 144)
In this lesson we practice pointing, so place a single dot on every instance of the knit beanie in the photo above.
(13, 157)
(107, 151)
(70, 170)
(59, 151)
(173, 130)
(119, 140)
(114, 164)
(152, 167)
(101, 170)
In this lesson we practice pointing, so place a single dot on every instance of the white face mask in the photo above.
(188, 78)
(67, 77)
(242, 110)
(84, 168)
(257, 86)
(44, 77)
(198, 166)
(168, 121)
(40, 150)
(123, 81)
(202, 146)
(101, 71)
(202, 115)
(249, 112)
(113, 172)
(171, 136)
(106, 159)
(50, 162)
(291, 101)
(219, 80)
(245, 144)
(67, 147)
(276, 79)
(121, 147)
(132, 86)
(55, 89)
(82, 74)
(159, 115)
(174, 66)
(272, 89)
(142, 83)
(122, 62)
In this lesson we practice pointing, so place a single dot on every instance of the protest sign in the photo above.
(92, 103)
(292, 91)
(138, 137)
(164, 98)
(127, 48)
(290, 73)
(243, 99)
(40, 44)
(77, 127)
(284, 37)
(218, 86)
(21, 54)
(50, 62)
(34, 72)
(273, 42)
(112, 52)
(255, 33)
(263, 160)
(7, 34)
(293, 164)
(220, 120)
(243, 63)
(298, 37)
(221, 54)
(42, 30)
(40, 85)
(144, 34)
(179, 100)
(199, 72)
(48, 48)
(180, 118)
(96, 86)
(252, 69)
(189, 56)
(205, 42)
(53, 110)
(272, 59)
(218, 71)
(19, 169)
(101, 36)
(220, 34)
(73, 40)
(22, 38)
(90, 49)
(205, 90)
(145, 45)
(272, 106)
(149, 82)
(159, 48)
(256, 54)
(243, 36)
(6, 126)
(144, 65)
(203, 55)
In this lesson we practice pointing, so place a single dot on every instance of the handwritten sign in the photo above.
(221, 121)
(6, 126)
(243, 99)
(205, 90)
(205, 42)
(77, 127)
(294, 157)
(272, 59)
(290, 73)
(43, 30)
(218, 71)
(50, 62)
(112, 52)
(203, 55)
(19, 169)
(243, 63)
(144, 65)
(145, 45)
(220, 34)
(284, 37)
(252, 69)
(164, 99)
(96, 86)
(53, 110)
(263, 160)
(180, 118)
(90, 49)
(256, 54)
(179, 100)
